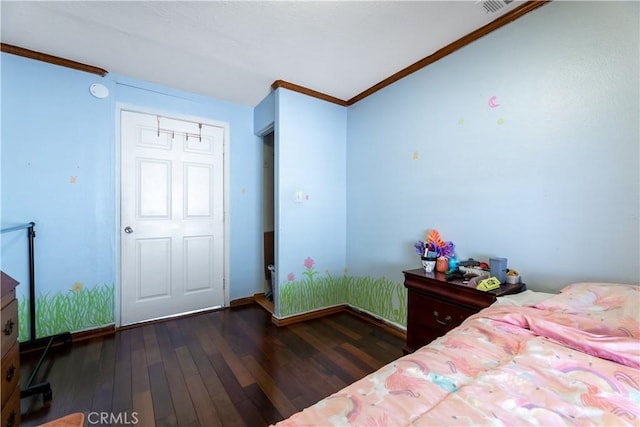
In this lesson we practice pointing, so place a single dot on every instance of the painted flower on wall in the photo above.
(291, 277)
(308, 263)
(310, 271)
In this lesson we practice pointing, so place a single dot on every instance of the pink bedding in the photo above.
(560, 362)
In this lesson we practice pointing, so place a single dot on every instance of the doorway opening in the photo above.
(268, 221)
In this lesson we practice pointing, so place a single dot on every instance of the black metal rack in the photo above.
(30, 389)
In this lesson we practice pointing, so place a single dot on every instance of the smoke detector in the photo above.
(492, 6)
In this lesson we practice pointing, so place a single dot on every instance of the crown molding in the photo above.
(452, 47)
(45, 57)
(447, 50)
(306, 91)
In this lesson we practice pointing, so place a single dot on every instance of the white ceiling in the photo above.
(235, 50)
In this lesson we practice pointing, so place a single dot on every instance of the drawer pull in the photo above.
(10, 373)
(442, 322)
(8, 327)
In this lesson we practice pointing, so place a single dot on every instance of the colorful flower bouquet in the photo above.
(435, 252)
(434, 246)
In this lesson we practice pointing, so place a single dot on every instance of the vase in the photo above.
(442, 264)
(428, 264)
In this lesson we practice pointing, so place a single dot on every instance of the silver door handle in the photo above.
(128, 230)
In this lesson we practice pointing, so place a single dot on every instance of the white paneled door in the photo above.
(171, 217)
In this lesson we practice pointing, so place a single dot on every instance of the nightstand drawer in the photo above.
(11, 411)
(9, 325)
(10, 372)
(437, 314)
(436, 318)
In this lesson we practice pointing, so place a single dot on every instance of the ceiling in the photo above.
(235, 50)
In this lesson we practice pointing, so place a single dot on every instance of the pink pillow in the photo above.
(601, 308)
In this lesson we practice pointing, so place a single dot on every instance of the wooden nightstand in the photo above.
(436, 306)
(10, 365)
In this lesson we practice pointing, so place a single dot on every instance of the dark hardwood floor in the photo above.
(231, 367)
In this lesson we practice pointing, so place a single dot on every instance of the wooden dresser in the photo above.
(436, 306)
(10, 365)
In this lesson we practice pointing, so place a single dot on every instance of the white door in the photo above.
(171, 217)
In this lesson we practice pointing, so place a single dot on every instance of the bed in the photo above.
(569, 359)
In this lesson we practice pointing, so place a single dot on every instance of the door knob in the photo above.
(128, 230)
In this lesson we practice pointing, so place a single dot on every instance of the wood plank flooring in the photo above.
(231, 367)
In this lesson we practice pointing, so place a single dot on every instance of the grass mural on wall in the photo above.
(378, 296)
(69, 311)
(310, 292)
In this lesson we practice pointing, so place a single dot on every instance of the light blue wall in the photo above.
(59, 169)
(548, 179)
(57, 161)
(310, 157)
(264, 115)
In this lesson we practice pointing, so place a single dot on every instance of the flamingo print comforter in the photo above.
(573, 359)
